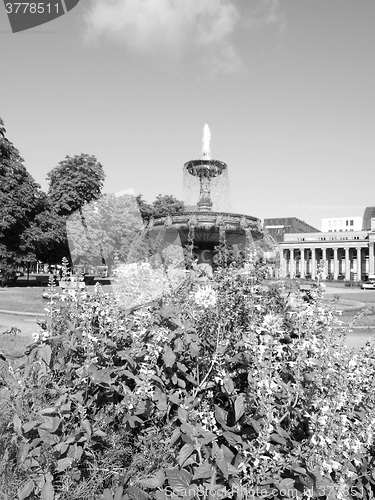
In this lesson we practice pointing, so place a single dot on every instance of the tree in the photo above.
(167, 204)
(163, 205)
(47, 237)
(20, 201)
(75, 181)
(104, 230)
(144, 207)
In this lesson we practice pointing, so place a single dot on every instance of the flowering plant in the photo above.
(220, 388)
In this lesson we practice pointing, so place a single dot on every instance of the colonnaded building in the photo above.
(345, 249)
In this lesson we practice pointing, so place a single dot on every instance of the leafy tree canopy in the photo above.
(47, 237)
(103, 229)
(163, 205)
(20, 201)
(75, 181)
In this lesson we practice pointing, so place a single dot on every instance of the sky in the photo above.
(287, 88)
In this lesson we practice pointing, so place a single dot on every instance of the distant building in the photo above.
(284, 225)
(368, 215)
(346, 255)
(341, 224)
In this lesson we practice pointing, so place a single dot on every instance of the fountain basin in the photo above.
(207, 229)
(205, 167)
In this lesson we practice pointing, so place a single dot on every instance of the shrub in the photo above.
(222, 389)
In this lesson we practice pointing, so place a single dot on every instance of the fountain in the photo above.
(204, 231)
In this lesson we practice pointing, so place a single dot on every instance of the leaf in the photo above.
(228, 384)
(26, 490)
(227, 453)
(48, 492)
(86, 427)
(300, 470)
(23, 453)
(17, 424)
(256, 425)
(50, 424)
(75, 452)
(156, 481)
(185, 453)
(239, 407)
(118, 493)
(47, 437)
(276, 438)
(285, 484)
(207, 437)
(169, 357)
(221, 415)
(65, 409)
(48, 411)
(100, 377)
(15, 355)
(282, 432)
(178, 478)
(204, 471)
(44, 353)
(223, 465)
(161, 399)
(174, 398)
(63, 464)
(167, 311)
(194, 349)
(181, 383)
(107, 494)
(29, 425)
(162, 495)
(137, 493)
(182, 414)
(99, 433)
(232, 438)
(175, 435)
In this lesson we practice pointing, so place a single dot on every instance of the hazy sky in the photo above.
(287, 88)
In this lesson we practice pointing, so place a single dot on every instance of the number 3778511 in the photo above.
(32, 8)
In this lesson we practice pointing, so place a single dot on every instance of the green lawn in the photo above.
(362, 320)
(30, 299)
(367, 296)
(22, 299)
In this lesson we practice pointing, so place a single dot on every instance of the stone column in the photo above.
(347, 264)
(292, 268)
(371, 258)
(302, 263)
(324, 258)
(282, 263)
(335, 264)
(313, 263)
(359, 264)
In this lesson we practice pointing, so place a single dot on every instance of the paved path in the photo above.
(348, 289)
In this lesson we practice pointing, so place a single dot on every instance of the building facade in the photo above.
(346, 255)
(349, 257)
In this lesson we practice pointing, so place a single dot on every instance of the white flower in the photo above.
(272, 322)
(205, 297)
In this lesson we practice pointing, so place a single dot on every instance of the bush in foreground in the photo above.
(221, 390)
